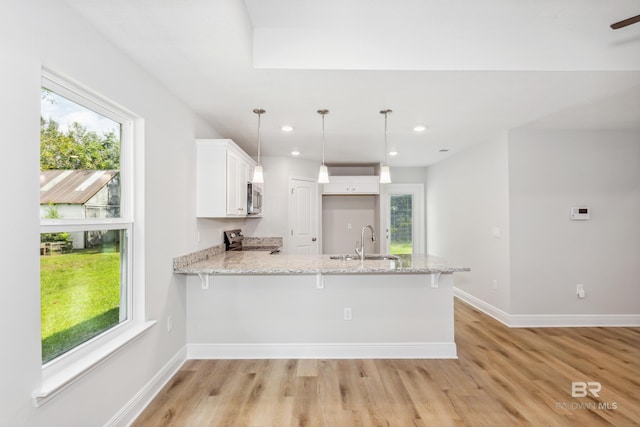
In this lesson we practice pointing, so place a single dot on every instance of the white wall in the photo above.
(467, 198)
(342, 220)
(549, 172)
(525, 183)
(48, 33)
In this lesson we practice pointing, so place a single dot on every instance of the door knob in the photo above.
(313, 239)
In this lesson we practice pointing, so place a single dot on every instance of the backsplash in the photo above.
(262, 241)
(183, 261)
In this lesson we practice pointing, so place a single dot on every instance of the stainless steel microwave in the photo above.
(254, 199)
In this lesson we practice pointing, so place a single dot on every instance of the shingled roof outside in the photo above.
(72, 186)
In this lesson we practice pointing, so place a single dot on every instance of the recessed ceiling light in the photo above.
(419, 128)
(393, 153)
(286, 128)
(295, 153)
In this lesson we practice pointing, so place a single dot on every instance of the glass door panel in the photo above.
(401, 224)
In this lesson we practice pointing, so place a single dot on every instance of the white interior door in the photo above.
(303, 216)
(402, 218)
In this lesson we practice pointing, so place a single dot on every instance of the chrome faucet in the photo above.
(360, 251)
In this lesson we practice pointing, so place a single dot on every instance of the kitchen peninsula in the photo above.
(255, 304)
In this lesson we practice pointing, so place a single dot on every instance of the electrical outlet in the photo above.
(169, 323)
(348, 315)
(580, 291)
(495, 284)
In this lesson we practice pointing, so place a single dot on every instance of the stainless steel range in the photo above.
(233, 240)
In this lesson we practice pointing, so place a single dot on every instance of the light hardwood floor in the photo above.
(503, 377)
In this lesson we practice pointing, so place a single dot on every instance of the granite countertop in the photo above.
(262, 262)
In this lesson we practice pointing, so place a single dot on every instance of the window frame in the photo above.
(61, 371)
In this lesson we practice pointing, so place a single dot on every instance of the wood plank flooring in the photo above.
(503, 377)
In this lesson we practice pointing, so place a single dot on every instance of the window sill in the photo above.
(55, 384)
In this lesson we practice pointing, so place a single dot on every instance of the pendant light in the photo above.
(385, 174)
(323, 174)
(257, 170)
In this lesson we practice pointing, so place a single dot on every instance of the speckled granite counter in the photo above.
(262, 262)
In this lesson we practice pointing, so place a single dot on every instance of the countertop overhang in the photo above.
(262, 262)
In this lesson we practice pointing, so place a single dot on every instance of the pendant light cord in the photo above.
(259, 141)
(323, 112)
(323, 139)
(259, 112)
(386, 148)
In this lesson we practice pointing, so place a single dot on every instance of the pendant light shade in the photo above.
(323, 174)
(385, 173)
(258, 178)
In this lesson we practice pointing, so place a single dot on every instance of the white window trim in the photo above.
(68, 368)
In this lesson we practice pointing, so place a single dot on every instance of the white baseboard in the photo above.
(574, 320)
(501, 316)
(549, 320)
(404, 350)
(128, 413)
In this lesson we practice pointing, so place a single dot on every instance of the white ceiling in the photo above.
(467, 70)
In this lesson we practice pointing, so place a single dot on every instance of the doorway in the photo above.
(402, 218)
(303, 217)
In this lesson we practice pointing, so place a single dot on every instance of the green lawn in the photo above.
(80, 297)
(399, 248)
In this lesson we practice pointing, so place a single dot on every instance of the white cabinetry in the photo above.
(352, 185)
(223, 171)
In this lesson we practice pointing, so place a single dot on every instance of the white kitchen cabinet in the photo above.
(237, 180)
(352, 185)
(223, 171)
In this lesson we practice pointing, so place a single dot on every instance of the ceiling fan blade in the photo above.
(625, 22)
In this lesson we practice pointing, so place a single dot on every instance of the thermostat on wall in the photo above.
(580, 213)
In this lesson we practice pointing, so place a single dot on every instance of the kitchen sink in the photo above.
(373, 257)
(349, 257)
(382, 257)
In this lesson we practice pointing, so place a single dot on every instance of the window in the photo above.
(86, 218)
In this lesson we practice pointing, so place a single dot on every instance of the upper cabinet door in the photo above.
(234, 167)
(367, 186)
(338, 185)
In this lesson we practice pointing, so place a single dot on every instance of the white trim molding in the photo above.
(574, 320)
(549, 320)
(501, 316)
(400, 350)
(134, 407)
(73, 372)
